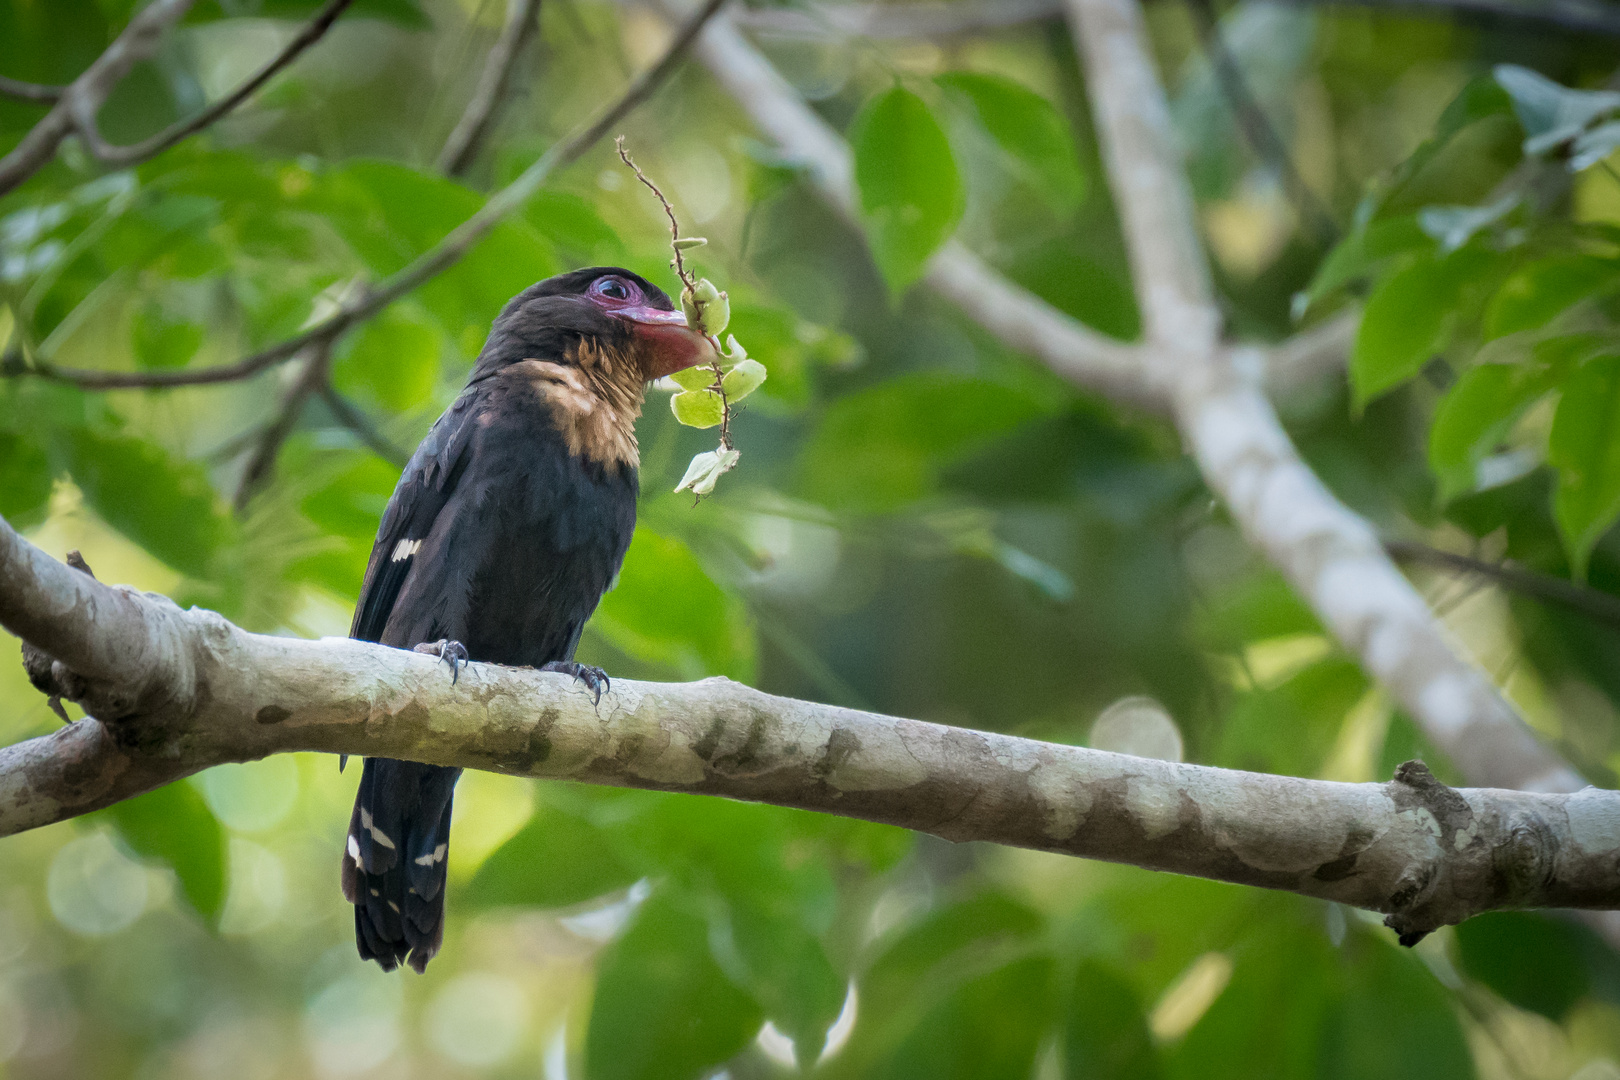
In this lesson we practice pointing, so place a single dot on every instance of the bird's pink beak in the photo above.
(664, 343)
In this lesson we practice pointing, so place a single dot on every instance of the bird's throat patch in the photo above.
(594, 402)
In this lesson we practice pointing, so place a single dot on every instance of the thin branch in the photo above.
(443, 255)
(1331, 556)
(1308, 358)
(946, 20)
(86, 94)
(261, 463)
(190, 691)
(123, 156)
(522, 20)
(27, 91)
(1599, 606)
(1257, 129)
(351, 417)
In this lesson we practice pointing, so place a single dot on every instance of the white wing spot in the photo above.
(354, 852)
(376, 834)
(405, 549)
(437, 855)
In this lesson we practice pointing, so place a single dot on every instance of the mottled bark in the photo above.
(184, 690)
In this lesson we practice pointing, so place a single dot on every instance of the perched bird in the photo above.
(507, 526)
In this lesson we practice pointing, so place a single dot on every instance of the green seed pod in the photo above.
(698, 408)
(743, 379)
(707, 293)
(689, 307)
(687, 243)
(695, 378)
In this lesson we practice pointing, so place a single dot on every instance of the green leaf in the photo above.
(1030, 130)
(694, 378)
(164, 342)
(1105, 1036)
(1361, 253)
(166, 506)
(1394, 1019)
(988, 1028)
(1478, 412)
(1534, 294)
(666, 610)
(1530, 960)
(1549, 113)
(25, 480)
(174, 826)
(785, 968)
(744, 379)
(393, 360)
(556, 860)
(1410, 318)
(663, 1009)
(1585, 448)
(879, 448)
(698, 408)
(911, 193)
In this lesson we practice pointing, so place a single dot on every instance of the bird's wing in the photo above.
(424, 488)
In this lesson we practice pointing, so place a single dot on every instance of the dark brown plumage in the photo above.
(507, 526)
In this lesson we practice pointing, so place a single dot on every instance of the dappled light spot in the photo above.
(1139, 726)
(255, 796)
(1190, 996)
(353, 1025)
(478, 1019)
(94, 888)
(258, 889)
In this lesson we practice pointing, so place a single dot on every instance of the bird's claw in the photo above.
(453, 653)
(595, 679)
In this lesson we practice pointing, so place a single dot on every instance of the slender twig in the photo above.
(362, 426)
(926, 19)
(1257, 129)
(135, 153)
(689, 287)
(262, 462)
(1600, 606)
(27, 91)
(522, 20)
(443, 255)
(79, 103)
(83, 97)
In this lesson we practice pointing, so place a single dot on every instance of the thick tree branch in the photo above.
(522, 20)
(205, 692)
(1329, 554)
(443, 255)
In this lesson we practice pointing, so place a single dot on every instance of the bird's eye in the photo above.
(613, 289)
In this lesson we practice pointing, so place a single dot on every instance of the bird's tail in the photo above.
(395, 859)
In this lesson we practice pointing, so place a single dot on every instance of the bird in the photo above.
(508, 524)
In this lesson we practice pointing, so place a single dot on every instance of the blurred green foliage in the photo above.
(922, 523)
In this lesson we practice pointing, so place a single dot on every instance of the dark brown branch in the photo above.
(261, 463)
(1598, 606)
(124, 156)
(443, 255)
(27, 91)
(362, 426)
(1257, 130)
(522, 21)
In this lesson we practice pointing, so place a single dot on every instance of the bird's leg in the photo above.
(595, 679)
(453, 653)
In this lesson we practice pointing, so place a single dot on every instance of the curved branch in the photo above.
(437, 259)
(1424, 854)
(1594, 604)
(522, 20)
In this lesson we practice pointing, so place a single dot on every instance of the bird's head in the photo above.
(600, 310)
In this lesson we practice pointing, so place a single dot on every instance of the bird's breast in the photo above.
(593, 404)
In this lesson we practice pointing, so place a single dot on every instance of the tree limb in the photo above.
(443, 255)
(1596, 605)
(350, 416)
(182, 691)
(315, 376)
(1332, 557)
(925, 19)
(78, 104)
(522, 20)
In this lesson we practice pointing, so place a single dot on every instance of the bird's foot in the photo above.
(453, 653)
(595, 679)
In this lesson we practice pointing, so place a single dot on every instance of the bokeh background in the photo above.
(923, 523)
